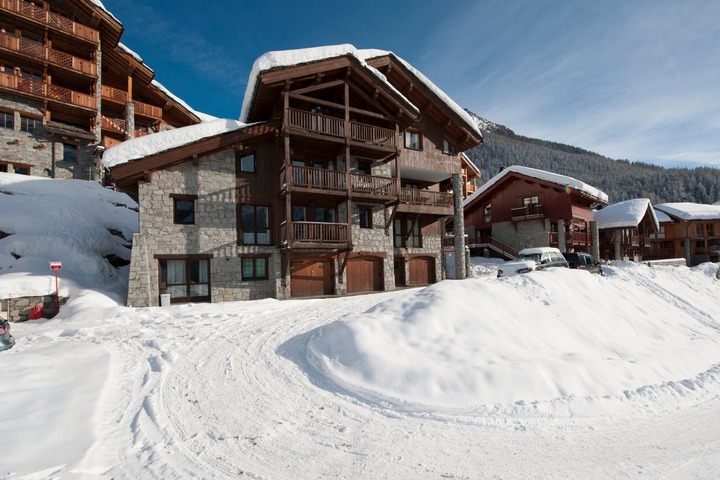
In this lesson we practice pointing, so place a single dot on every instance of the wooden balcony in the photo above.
(366, 186)
(112, 124)
(335, 127)
(36, 13)
(527, 212)
(416, 196)
(120, 96)
(316, 235)
(49, 91)
(50, 55)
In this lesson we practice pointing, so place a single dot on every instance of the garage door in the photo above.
(364, 275)
(422, 271)
(311, 278)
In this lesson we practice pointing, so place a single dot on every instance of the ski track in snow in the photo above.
(226, 396)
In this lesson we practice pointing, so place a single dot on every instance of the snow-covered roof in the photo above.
(287, 58)
(555, 178)
(142, 147)
(625, 214)
(662, 216)
(690, 211)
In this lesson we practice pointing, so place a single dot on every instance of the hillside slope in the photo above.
(620, 179)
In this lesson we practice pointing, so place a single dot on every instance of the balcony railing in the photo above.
(574, 239)
(373, 185)
(47, 90)
(112, 124)
(319, 232)
(335, 127)
(51, 55)
(117, 95)
(416, 196)
(320, 178)
(528, 211)
(51, 19)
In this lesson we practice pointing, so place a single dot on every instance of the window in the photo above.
(6, 120)
(70, 152)
(413, 139)
(299, 213)
(528, 201)
(184, 209)
(406, 233)
(22, 170)
(364, 167)
(185, 279)
(449, 148)
(3, 167)
(487, 213)
(366, 217)
(247, 163)
(31, 125)
(255, 224)
(324, 214)
(254, 268)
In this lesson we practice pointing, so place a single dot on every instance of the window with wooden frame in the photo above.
(528, 201)
(186, 278)
(254, 268)
(30, 125)
(449, 148)
(366, 217)
(413, 139)
(487, 213)
(183, 209)
(406, 233)
(255, 224)
(7, 120)
(246, 162)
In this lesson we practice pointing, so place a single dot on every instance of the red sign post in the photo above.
(56, 266)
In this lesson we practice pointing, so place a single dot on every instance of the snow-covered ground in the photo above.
(555, 374)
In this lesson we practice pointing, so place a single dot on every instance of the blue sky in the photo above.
(636, 80)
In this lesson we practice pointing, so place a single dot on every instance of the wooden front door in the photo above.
(311, 278)
(422, 271)
(364, 275)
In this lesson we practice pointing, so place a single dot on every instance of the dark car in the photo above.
(6, 340)
(582, 261)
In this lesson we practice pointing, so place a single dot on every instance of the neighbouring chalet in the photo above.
(69, 88)
(338, 179)
(687, 230)
(524, 207)
(625, 229)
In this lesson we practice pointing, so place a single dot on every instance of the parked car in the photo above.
(530, 259)
(582, 261)
(6, 340)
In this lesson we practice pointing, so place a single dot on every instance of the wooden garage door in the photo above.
(311, 278)
(422, 271)
(364, 274)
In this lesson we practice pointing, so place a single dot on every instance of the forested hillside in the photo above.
(620, 179)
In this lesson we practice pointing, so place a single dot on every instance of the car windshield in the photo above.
(535, 257)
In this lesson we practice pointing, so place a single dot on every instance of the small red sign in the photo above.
(55, 265)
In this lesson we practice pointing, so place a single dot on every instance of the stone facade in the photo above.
(519, 235)
(18, 309)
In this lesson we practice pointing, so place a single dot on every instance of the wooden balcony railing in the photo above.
(47, 90)
(112, 124)
(528, 211)
(333, 126)
(416, 196)
(117, 95)
(319, 232)
(53, 20)
(574, 239)
(56, 57)
(373, 185)
(319, 178)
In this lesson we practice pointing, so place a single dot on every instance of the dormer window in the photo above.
(413, 139)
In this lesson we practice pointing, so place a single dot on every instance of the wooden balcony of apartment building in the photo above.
(37, 14)
(320, 180)
(417, 200)
(573, 240)
(117, 125)
(333, 127)
(315, 235)
(119, 96)
(528, 212)
(40, 89)
(46, 54)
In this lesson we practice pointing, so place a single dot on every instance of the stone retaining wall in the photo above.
(18, 309)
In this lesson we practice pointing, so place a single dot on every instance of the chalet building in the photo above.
(524, 207)
(69, 89)
(687, 230)
(625, 229)
(337, 180)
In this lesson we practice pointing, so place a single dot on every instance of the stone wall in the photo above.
(18, 309)
(533, 233)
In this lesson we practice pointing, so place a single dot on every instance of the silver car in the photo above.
(530, 259)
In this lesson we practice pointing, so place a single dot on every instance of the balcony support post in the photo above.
(459, 227)
(562, 245)
(595, 239)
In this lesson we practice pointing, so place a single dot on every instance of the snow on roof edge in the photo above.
(628, 213)
(690, 211)
(555, 178)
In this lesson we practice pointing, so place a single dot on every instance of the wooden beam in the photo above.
(316, 101)
(314, 88)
